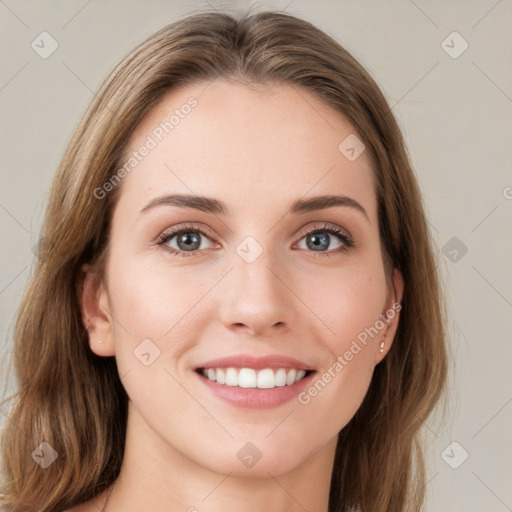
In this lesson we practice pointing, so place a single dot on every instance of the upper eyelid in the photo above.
(176, 230)
(319, 225)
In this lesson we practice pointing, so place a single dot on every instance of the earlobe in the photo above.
(398, 282)
(391, 316)
(95, 309)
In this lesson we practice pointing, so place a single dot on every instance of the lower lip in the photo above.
(256, 398)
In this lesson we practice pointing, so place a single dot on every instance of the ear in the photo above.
(95, 309)
(391, 315)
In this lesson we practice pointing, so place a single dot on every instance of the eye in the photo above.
(318, 241)
(188, 240)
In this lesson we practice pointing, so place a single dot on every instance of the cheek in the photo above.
(154, 321)
(350, 305)
(148, 298)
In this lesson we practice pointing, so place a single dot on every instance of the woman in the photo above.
(236, 304)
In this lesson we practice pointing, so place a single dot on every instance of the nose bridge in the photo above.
(256, 295)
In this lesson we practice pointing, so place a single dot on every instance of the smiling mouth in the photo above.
(265, 378)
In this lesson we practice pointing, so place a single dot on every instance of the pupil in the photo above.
(319, 241)
(188, 239)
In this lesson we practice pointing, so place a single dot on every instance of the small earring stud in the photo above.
(100, 341)
(382, 346)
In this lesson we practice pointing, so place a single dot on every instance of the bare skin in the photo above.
(257, 150)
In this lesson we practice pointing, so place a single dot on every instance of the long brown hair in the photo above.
(75, 401)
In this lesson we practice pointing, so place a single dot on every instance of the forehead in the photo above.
(252, 147)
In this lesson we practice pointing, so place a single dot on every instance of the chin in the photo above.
(251, 459)
(261, 469)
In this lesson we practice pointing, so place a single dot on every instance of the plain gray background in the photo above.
(455, 110)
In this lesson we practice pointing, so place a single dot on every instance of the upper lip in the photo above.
(249, 361)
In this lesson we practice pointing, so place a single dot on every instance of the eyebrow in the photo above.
(211, 205)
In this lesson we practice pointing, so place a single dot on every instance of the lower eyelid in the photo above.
(163, 241)
(164, 238)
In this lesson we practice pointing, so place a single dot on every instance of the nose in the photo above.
(256, 298)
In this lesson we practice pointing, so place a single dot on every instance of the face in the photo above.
(247, 275)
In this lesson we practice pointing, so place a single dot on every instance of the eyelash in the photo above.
(348, 243)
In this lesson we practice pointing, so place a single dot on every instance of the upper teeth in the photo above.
(251, 378)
